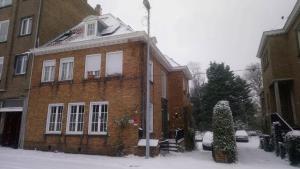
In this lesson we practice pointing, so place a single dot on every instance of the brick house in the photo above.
(24, 25)
(90, 81)
(279, 52)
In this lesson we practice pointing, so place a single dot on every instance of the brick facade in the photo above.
(125, 95)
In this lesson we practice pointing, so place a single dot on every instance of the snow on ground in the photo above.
(249, 157)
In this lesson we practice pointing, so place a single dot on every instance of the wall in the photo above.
(122, 93)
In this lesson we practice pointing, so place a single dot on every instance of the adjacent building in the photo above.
(279, 52)
(26, 24)
(88, 90)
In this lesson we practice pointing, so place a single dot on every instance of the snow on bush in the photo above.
(293, 146)
(224, 136)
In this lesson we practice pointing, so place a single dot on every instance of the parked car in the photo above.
(207, 140)
(252, 133)
(199, 136)
(241, 136)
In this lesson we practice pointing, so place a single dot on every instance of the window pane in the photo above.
(114, 63)
(1, 65)
(90, 29)
(70, 71)
(3, 30)
(64, 71)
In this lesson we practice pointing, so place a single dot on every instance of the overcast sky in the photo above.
(205, 30)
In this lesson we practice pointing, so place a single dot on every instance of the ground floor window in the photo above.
(98, 118)
(75, 118)
(54, 118)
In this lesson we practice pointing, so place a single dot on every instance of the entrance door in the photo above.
(11, 131)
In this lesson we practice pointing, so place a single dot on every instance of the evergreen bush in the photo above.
(224, 145)
(293, 146)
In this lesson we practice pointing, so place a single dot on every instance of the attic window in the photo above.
(91, 29)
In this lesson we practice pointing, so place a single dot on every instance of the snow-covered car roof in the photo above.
(208, 138)
(241, 133)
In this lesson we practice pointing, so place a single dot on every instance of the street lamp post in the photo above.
(147, 6)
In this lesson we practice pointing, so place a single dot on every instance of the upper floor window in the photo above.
(4, 3)
(1, 65)
(92, 66)
(91, 29)
(3, 30)
(114, 63)
(75, 118)
(151, 70)
(66, 68)
(98, 118)
(21, 64)
(48, 72)
(163, 85)
(54, 118)
(26, 26)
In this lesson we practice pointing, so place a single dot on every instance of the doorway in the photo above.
(11, 129)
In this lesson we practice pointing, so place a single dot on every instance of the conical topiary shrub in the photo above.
(224, 145)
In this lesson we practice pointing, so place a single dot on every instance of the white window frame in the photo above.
(1, 23)
(56, 120)
(26, 29)
(164, 84)
(151, 71)
(46, 64)
(4, 3)
(100, 103)
(76, 132)
(66, 60)
(86, 29)
(151, 116)
(24, 64)
(121, 66)
(86, 67)
(1, 68)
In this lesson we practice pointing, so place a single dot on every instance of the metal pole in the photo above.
(147, 5)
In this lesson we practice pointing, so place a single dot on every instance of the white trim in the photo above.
(48, 118)
(3, 22)
(11, 109)
(90, 117)
(45, 62)
(66, 60)
(1, 69)
(28, 28)
(68, 132)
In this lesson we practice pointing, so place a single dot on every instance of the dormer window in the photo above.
(91, 29)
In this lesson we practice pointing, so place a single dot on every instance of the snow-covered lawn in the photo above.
(250, 157)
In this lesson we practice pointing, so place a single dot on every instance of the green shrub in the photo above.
(224, 138)
(190, 139)
(293, 146)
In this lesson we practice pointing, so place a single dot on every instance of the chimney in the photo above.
(98, 9)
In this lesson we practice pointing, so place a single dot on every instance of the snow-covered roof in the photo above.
(110, 30)
(110, 26)
(290, 21)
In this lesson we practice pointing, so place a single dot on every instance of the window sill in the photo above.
(19, 75)
(53, 133)
(6, 6)
(64, 81)
(98, 134)
(73, 134)
(3, 42)
(26, 35)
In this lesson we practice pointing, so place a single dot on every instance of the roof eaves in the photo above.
(295, 12)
